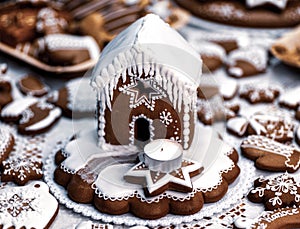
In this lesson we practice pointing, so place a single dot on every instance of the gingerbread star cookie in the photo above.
(31, 206)
(271, 155)
(21, 169)
(276, 192)
(25, 163)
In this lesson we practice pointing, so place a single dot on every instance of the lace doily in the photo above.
(235, 193)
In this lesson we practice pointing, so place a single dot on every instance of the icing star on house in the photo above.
(163, 168)
(143, 91)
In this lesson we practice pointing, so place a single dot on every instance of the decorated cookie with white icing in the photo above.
(212, 54)
(276, 192)
(92, 225)
(259, 93)
(50, 22)
(31, 206)
(209, 112)
(6, 143)
(30, 85)
(229, 89)
(5, 91)
(247, 62)
(290, 99)
(271, 155)
(13, 111)
(38, 118)
(281, 4)
(65, 49)
(237, 126)
(76, 99)
(274, 127)
(288, 217)
(24, 162)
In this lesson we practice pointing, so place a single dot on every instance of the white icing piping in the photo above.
(132, 125)
(53, 115)
(167, 194)
(136, 62)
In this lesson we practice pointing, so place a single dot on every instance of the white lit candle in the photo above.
(163, 155)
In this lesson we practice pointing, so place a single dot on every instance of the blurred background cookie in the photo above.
(247, 62)
(31, 85)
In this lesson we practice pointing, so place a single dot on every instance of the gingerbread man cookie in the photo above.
(271, 155)
(31, 206)
(276, 192)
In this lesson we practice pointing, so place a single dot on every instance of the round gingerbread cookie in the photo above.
(239, 13)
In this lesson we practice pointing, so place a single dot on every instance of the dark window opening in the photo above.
(142, 130)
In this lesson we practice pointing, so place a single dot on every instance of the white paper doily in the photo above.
(235, 192)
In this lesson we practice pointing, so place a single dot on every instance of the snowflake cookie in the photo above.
(276, 192)
(271, 155)
(31, 206)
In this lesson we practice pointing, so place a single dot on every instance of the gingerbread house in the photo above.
(146, 87)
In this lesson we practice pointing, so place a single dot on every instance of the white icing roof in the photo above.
(153, 41)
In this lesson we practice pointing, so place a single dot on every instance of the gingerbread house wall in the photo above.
(121, 122)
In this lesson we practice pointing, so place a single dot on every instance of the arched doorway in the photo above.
(141, 130)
